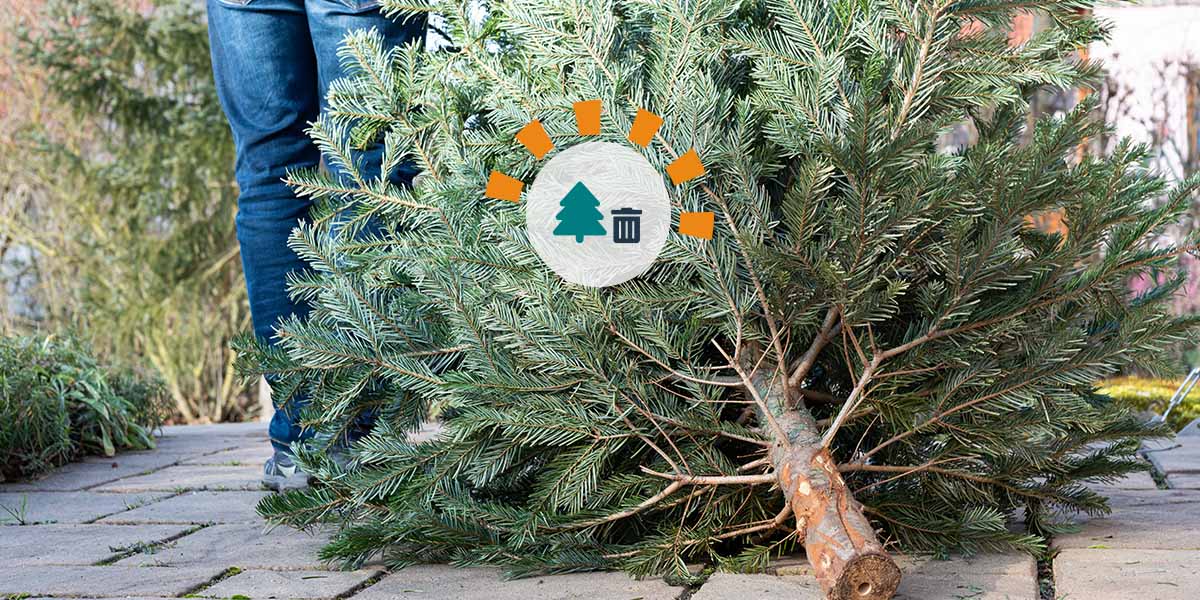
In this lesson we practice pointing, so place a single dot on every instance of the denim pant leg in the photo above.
(265, 72)
(329, 22)
(273, 61)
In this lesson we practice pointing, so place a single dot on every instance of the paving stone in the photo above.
(1164, 525)
(197, 508)
(722, 586)
(93, 472)
(982, 577)
(68, 507)
(1134, 481)
(297, 585)
(103, 581)
(243, 546)
(190, 477)
(1118, 499)
(252, 429)
(254, 455)
(133, 461)
(75, 544)
(195, 440)
(1181, 457)
(1145, 574)
(1190, 430)
(190, 446)
(1184, 481)
(429, 582)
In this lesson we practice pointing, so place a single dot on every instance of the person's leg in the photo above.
(329, 22)
(266, 77)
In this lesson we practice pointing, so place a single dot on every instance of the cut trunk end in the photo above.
(846, 557)
(866, 577)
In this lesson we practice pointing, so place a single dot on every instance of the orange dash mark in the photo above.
(645, 125)
(503, 187)
(533, 137)
(696, 224)
(587, 117)
(686, 167)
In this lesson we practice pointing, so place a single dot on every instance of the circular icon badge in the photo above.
(598, 214)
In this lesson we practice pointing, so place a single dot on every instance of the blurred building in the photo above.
(1151, 94)
(1153, 66)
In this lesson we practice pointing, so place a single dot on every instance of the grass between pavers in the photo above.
(1045, 572)
(222, 576)
(123, 552)
(18, 514)
(1160, 478)
(136, 504)
(370, 581)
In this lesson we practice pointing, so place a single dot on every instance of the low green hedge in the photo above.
(1154, 394)
(57, 402)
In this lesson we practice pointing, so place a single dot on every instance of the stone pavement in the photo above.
(1149, 547)
(179, 521)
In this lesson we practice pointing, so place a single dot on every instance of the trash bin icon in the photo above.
(627, 226)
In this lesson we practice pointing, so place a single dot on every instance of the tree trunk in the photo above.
(846, 557)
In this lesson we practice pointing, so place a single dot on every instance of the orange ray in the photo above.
(645, 125)
(533, 137)
(503, 187)
(696, 224)
(686, 167)
(587, 117)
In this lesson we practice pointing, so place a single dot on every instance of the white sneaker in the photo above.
(281, 473)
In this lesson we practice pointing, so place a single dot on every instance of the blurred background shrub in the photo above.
(1148, 393)
(58, 403)
(117, 216)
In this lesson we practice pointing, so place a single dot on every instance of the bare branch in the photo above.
(852, 401)
(713, 479)
(780, 434)
(645, 504)
(828, 330)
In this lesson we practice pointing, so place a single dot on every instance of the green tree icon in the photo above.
(579, 216)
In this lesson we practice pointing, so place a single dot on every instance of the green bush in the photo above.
(58, 403)
(1154, 395)
(117, 197)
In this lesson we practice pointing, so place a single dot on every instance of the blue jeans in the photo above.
(273, 61)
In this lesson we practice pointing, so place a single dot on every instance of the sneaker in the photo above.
(340, 456)
(281, 473)
(338, 452)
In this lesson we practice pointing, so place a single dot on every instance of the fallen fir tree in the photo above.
(874, 348)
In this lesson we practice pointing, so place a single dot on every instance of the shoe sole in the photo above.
(284, 483)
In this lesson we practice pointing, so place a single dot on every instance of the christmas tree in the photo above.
(874, 347)
(579, 216)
